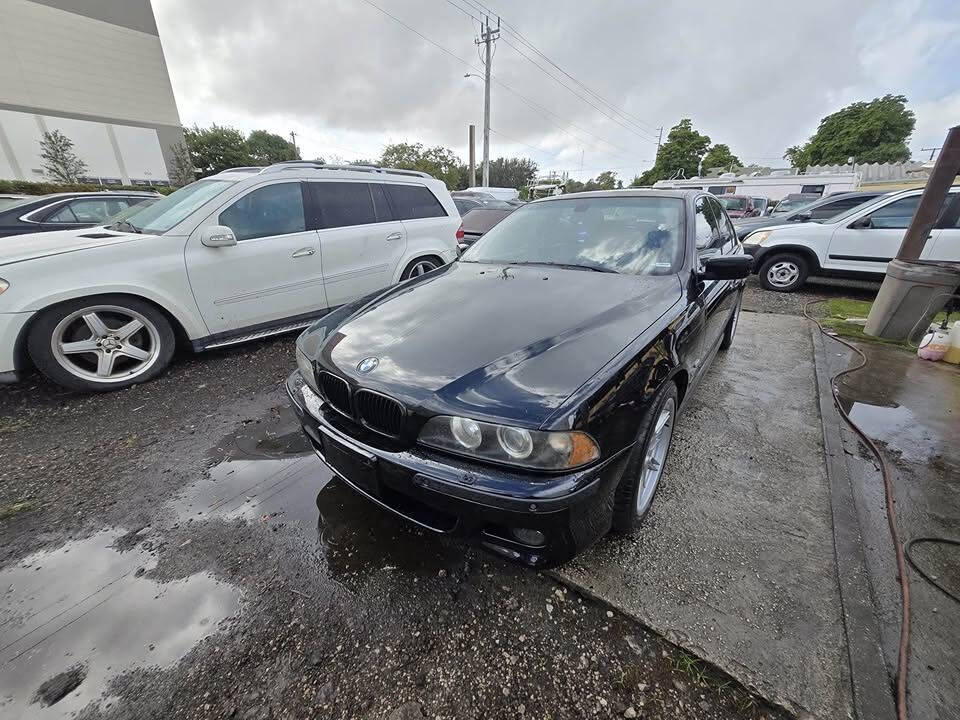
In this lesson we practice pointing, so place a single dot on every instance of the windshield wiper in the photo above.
(571, 266)
(120, 224)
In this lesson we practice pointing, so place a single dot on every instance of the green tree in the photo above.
(182, 171)
(719, 156)
(607, 180)
(216, 148)
(874, 131)
(512, 172)
(60, 163)
(265, 148)
(683, 150)
(438, 161)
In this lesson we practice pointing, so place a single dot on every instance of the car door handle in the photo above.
(304, 252)
(394, 236)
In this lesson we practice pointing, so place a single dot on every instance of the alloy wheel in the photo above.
(421, 267)
(783, 273)
(656, 455)
(105, 343)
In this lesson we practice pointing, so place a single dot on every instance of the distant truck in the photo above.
(547, 186)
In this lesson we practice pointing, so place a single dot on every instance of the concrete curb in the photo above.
(872, 695)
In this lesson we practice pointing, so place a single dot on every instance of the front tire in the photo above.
(784, 272)
(101, 343)
(641, 477)
(731, 328)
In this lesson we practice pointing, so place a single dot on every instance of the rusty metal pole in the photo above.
(915, 290)
(944, 172)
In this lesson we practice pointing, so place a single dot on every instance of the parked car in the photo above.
(499, 193)
(760, 204)
(66, 211)
(816, 211)
(791, 202)
(232, 257)
(526, 394)
(485, 199)
(857, 243)
(465, 205)
(737, 206)
(8, 199)
(477, 222)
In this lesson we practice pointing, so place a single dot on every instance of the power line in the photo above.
(512, 30)
(473, 67)
(637, 130)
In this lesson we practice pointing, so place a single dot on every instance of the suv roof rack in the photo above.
(300, 164)
(244, 168)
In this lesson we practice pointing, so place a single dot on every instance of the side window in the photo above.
(813, 189)
(381, 205)
(896, 215)
(411, 202)
(63, 215)
(342, 204)
(950, 214)
(270, 210)
(707, 227)
(835, 208)
(727, 234)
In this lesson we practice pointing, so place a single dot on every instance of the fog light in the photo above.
(528, 536)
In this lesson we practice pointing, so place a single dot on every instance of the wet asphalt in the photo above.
(174, 551)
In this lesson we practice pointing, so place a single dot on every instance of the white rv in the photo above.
(547, 186)
(775, 186)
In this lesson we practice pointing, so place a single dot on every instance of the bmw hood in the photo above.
(495, 341)
(17, 248)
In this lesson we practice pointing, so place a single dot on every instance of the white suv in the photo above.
(860, 242)
(239, 255)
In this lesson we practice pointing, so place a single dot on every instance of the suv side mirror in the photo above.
(803, 216)
(217, 236)
(862, 223)
(726, 267)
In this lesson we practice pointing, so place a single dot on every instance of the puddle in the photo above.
(895, 426)
(85, 612)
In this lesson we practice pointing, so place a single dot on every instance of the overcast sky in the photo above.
(757, 76)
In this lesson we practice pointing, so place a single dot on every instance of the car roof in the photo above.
(625, 192)
(317, 169)
(96, 193)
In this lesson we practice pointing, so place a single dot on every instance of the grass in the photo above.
(834, 314)
(16, 508)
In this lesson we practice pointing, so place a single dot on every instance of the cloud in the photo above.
(349, 79)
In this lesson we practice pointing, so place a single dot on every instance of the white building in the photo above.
(94, 70)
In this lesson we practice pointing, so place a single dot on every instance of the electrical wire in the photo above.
(903, 655)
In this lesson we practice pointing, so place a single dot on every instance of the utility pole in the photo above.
(473, 156)
(933, 151)
(487, 37)
(659, 140)
(293, 139)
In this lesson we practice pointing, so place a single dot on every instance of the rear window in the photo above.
(412, 202)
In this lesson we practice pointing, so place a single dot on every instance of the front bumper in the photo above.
(446, 494)
(11, 345)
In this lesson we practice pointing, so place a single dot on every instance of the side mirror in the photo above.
(217, 236)
(726, 267)
(803, 217)
(861, 224)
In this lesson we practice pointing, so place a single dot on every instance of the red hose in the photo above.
(904, 653)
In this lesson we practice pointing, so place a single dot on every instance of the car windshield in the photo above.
(733, 203)
(635, 235)
(132, 210)
(164, 214)
(790, 204)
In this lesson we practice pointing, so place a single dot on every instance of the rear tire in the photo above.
(641, 477)
(784, 272)
(101, 343)
(421, 266)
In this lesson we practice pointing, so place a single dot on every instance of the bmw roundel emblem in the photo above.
(368, 364)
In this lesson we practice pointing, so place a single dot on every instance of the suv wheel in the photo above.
(101, 343)
(783, 273)
(421, 266)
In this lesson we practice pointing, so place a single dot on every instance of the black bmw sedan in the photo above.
(526, 394)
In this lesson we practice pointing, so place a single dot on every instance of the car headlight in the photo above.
(757, 238)
(306, 369)
(510, 445)
(3, 286)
